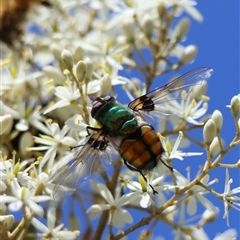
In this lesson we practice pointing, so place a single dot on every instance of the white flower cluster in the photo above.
(76, 53)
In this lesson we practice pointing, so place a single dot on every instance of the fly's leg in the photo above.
(88, 128)
(91, 128)
(137, 170)
(170, 168)
(154, 191)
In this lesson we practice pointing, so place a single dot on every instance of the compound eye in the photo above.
(99, 102)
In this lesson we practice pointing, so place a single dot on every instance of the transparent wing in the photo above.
(153, 100)
(93, 157)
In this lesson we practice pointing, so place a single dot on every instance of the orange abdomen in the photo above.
(142, 149)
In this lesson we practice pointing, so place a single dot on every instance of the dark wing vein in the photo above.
(147, 101)
(88, 153)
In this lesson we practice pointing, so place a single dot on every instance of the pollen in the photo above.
(67, 83)
(66, 72)
(14, 152)
(96, 125)
(50, 89)
(205, 98)
(205, 105)
(119, 57)
(50, 104)
(181, 134)
(32, 174)
(193, 103)
(38, 107)
(184, 95)
(13, 71)
(49, 120)
(46, 137)
(28, 149)
(161, 137)
(107, 70)
(124, 86)
(49, 81)
(4, 62)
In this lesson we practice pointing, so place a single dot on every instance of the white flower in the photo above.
(143, 196)
(26, 113)
(188, 109)
(118, 215)
(17, 78)
(229, 196)
(238, 96)
(22, 196)
(67, 94)
(56, 142)
(10, 169)
(196, 193)
(184, 229)
(226, 235)
(188, 7)
(143, 190)
(52, 232)
(172, 152)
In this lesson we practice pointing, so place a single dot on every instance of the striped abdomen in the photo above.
(142, 149)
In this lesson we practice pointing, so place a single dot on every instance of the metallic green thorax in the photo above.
(115, 118)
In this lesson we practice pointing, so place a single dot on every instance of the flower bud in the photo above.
(199, 90)
(67, 58)
(78, 54)
(25, 141)
(6, 122)
(181, 29)
(6, 222)
(214, 147)
(3, 207)
(55, 74)
(218, 120)
(162, 10)
(161, 66)
(188, 55)
(147, 25)
(209, 131)
(128, 29)
(235, 105)
(209, 216)
(81, 71)
(56, 50)
(89, 69)
(106, 85)
(93, 88)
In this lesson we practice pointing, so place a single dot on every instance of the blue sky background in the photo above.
(217, 39)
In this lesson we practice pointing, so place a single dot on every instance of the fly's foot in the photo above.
(154, 191)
